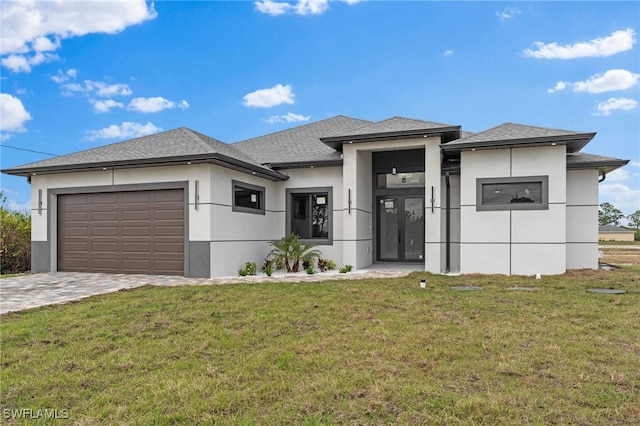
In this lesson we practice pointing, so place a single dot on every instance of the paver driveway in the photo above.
(33, 290)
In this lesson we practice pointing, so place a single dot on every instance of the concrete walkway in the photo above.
(33, 290)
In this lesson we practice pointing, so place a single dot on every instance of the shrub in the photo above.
(15, 250)
(251, 268)
(289, 251)
(326, 264)
(243, 272)
(346, 268)
(310, 270)
(268, 270)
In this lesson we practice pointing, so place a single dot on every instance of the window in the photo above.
(309, 214)
(515, 193)
(400, 180)
(247, 198)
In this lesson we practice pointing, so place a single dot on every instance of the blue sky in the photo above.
(76, 75)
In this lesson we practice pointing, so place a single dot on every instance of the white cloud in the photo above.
(621, 196)
(38, 26)
(299, 7)
(448, 52)
(618, 175)
(89, 87)
(614, 104)
(13, 115)
(287, 118)
(265, 98)
(618, 41)
(611, 80)
(155, 104)
(508, 13)
(63, 77)
(19, 207)
(105, 105)
(22, 63)
(125, 130)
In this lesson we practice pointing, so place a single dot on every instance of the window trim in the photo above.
(544, 193)
(235, 185)
(289, 212)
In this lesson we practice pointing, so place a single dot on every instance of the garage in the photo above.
(129, 232)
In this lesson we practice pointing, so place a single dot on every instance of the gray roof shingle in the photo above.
(391, 125)
(613, 228)
(300, 144)
(583, 160)
(520, 134)
(158, 148)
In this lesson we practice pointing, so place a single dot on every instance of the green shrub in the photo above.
(15, 230)
(251, 268)
(346, 268)
(243, 272)
(310, 270)
(636, 236)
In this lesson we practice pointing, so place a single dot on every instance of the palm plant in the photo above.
(290, 251)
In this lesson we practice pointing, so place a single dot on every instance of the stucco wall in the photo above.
(582, 219)
(519, 242)
(626, 236)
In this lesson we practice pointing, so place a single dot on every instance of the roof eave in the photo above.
(605, 166)
(219, 159)
(336, 142)
(305, 164)
(574, 143)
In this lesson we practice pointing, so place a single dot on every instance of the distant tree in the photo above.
(634, 219)
(609, 215)
(15, 239)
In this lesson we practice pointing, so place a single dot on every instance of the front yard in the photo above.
(345, 352)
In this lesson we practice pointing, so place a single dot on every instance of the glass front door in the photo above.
(400, 228)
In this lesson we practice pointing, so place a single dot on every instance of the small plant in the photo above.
(268, 270)
(310, 270)
(243, 272)
(250, 268)
(306, 263)
(290, 252)
(326, 264)
(346, 268)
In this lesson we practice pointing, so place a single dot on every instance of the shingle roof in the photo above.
(519, 134)
(156, 148)
(300, 144)
(393, 124)
(583, 160)
(612, 228)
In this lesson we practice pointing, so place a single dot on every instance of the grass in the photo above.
(336, 352)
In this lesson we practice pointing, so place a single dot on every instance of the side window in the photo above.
(247, 198)
(513, 193)
(309, 214)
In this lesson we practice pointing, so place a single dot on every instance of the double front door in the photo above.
(400, 228)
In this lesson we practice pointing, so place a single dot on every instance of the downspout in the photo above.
(448, 226)
(604, 176)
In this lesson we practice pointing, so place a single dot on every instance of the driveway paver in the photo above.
(33, 290)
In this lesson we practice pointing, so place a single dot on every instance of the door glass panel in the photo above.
(413, 228)
(388, 229)
(400, 180)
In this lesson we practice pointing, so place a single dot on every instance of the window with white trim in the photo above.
(512, 193)
(247, 198)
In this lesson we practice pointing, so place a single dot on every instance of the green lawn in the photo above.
(336, 352)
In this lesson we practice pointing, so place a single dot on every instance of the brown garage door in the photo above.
(137, 232)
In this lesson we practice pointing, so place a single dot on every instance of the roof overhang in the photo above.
(603, 166)
(217, 159)
(447, 133)
(305, 164)
(574, 143)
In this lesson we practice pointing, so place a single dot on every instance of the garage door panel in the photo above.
(106, 215)
(122, 232)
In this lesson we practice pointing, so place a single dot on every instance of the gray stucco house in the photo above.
(513, 199)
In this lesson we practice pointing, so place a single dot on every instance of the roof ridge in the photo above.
(299, 127)
(197, 137)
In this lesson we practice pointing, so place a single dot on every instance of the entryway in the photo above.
(400, 228)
